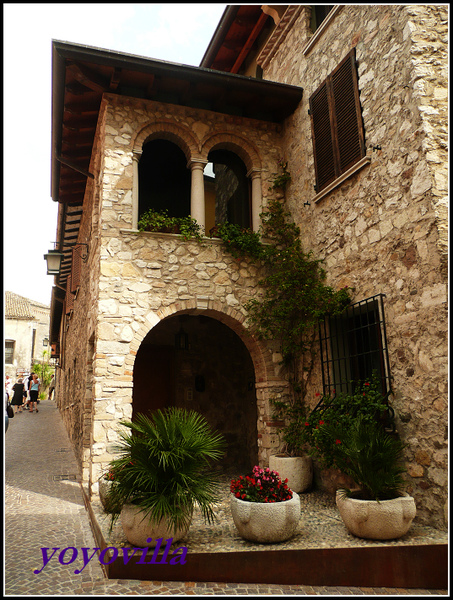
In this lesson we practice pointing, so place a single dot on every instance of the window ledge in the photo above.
(321, 29)
(358, 165)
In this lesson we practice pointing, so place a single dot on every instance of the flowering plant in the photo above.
(261, 485)
(109, 476)
(334, 415)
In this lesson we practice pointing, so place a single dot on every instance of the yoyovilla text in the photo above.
(69, 555)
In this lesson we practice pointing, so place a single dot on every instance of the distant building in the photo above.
(26, 333)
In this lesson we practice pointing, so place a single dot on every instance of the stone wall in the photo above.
(384, 229)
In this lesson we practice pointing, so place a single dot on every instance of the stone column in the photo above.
(255, 176)
(197, 201)
(135, 160)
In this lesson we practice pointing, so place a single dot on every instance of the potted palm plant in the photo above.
(355, 441)
(164, 469)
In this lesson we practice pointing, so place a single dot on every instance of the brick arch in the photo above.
(232, 318)
(164, 130)
(235, 143)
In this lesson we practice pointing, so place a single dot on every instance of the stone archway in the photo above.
(259, 380)
(208, 369)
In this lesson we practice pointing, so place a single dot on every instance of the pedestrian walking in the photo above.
(8, 385)
(34, 393)
(18, 395)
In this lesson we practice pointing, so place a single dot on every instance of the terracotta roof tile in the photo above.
(18, 307)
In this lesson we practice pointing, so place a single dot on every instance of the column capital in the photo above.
(196, 163)
(136, 155)
(254, 173)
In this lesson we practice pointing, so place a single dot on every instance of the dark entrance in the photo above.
(201, 364)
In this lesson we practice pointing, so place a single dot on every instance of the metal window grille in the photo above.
(354, 347)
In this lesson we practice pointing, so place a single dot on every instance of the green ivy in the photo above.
(241, 242)
(294, 298)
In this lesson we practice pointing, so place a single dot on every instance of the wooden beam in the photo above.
(89, 78)
(249, 43)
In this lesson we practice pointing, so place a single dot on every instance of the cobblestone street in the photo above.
(44, 509)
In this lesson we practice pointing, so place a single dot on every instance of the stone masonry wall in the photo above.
(384, 229)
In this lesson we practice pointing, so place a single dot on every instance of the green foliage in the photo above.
(365, 452)
(282, 180)
(155, 220)
(343, 410)
(295, 296)
(241, 242)
(347, 433)
(43, 370)
(165, 466)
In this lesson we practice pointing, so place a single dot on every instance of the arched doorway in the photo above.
(199, 363)
(164, 179)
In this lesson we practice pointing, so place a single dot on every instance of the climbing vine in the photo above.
(294, 296)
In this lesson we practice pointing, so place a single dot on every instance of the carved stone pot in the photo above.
(297, 469)
(266, 523)
(383, 520)
(138, 528)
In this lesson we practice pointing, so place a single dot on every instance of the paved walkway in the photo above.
(44, 509)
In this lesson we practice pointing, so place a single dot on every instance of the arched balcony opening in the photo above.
(164, 179)
(227, 190)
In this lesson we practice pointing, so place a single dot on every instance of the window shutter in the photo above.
(76, 268)
(348, 117)
(322, 137)
(337, 128)
(69, 299)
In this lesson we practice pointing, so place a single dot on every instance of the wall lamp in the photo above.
(54, 258)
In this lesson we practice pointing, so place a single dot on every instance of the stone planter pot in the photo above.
(266, 523)
(297, 469)
(369, 519)
(138, 529)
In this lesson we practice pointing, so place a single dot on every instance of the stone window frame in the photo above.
(322, 29)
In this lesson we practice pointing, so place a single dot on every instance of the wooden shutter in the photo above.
(69, 298)
(76, 267)
(337, 128)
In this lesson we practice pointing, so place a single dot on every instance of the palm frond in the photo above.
(165, 466)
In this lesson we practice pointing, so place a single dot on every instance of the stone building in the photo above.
(354, 98)
(26, 333)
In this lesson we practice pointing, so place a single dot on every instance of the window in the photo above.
(337, 127)
(164, 179)
(354, 347)
(318, 14)
(9, 352)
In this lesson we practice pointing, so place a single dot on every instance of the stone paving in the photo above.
(44, 509)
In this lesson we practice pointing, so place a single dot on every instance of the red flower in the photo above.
(321, 422)
(338, 442)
